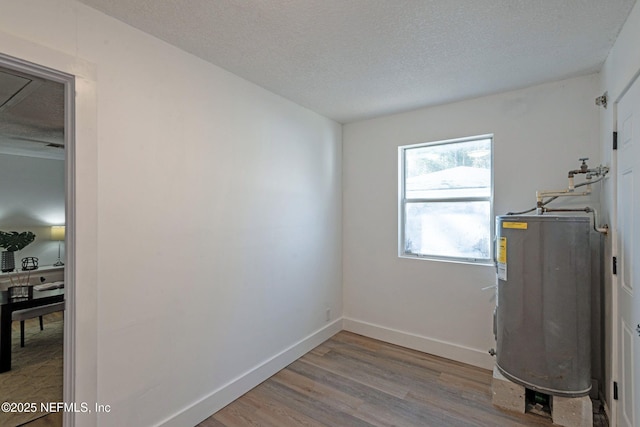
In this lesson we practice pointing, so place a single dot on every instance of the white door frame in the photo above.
(68, 81)
(615, 369)
(615, 278)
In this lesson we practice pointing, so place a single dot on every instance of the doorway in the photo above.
(37, 145)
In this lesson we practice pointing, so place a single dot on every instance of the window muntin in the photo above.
(445, 199)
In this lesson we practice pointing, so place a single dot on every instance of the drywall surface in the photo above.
(209, 216)
(32, 191)
(439, 307)
(33, 197)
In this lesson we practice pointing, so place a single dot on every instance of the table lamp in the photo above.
(57, 234)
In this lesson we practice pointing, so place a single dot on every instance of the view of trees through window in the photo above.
(446, 199)
(428, 159)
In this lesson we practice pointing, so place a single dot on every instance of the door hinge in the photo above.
(615, 390)
(615, 140)
(614, 265)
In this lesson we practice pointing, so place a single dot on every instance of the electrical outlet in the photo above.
(328, 314)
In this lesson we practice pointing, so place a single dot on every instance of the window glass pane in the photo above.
(461, 169)
(448, 229)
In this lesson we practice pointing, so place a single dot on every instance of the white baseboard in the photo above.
(471, 356)
(235, 388)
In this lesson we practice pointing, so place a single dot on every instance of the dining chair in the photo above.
(23, 293)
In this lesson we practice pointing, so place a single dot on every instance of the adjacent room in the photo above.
(325, 213)
(32, 233)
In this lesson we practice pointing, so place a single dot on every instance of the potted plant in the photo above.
(13, 241)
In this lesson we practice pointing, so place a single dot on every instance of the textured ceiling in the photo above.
(355, 59)
(31, 115)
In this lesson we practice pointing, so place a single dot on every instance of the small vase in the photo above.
(8, 261)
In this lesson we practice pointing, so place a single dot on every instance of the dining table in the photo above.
(7, 307)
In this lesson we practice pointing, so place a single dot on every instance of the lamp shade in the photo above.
(57, 232)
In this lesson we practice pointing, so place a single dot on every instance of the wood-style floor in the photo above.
(36, 373)
(352, 380)
(50, 420)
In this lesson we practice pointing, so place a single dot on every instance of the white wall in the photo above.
(438, 307)
(618, 72)
(209, 219)
(32, 192)
(35, 187)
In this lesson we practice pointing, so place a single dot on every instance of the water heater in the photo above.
(543, 325)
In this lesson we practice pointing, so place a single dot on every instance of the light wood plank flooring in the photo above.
(352, 380)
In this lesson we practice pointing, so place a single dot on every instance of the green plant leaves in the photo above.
(13, 241)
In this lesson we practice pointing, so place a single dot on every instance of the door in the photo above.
(628, 234)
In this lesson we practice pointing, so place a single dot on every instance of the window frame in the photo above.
(403, 202)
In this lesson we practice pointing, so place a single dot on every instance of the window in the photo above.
(445, 199)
